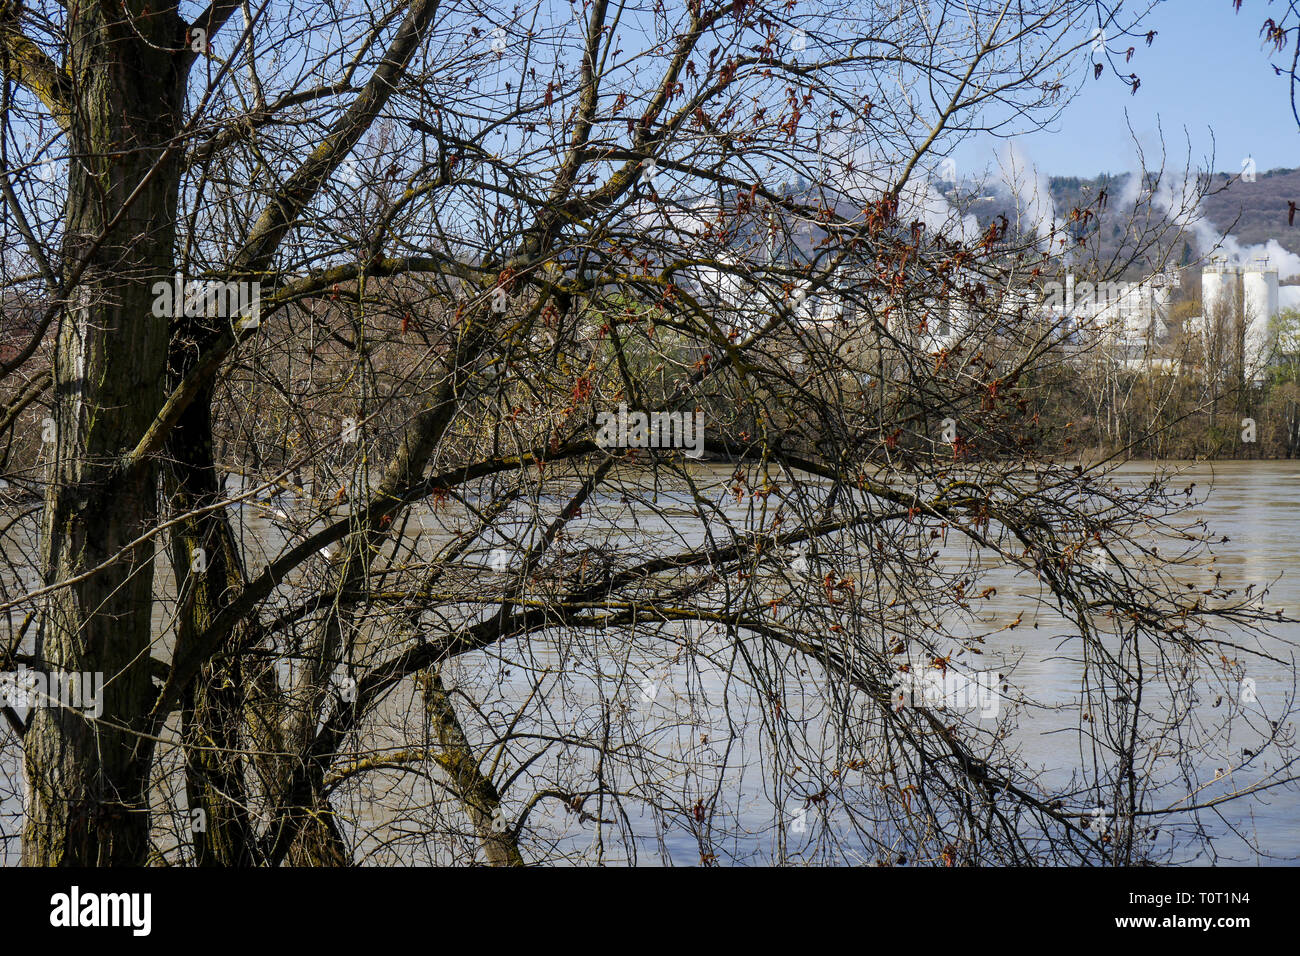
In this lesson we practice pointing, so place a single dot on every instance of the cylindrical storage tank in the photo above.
(1260, 299)
(1217, 290)
(1259, 289)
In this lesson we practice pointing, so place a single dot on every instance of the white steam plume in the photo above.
(1028, 188)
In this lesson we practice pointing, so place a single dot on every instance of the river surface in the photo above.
(1255, 504)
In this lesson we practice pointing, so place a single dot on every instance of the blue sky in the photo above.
(1206, 81)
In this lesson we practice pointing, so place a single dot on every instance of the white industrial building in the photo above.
(1135, 316)
(1129, 318)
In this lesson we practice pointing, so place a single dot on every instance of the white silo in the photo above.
(1260, 301)
(1259, 287)
(1218, 289)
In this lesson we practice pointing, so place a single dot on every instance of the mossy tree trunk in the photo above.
(87, 802)
(476, 790)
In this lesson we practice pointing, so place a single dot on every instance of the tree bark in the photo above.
(88, 795)
(209, 573)
(476, 790)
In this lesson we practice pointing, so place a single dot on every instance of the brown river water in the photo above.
(1256, 504)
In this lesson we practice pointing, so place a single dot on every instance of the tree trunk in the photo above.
(209, 573)
(88, 780)
(475, 789)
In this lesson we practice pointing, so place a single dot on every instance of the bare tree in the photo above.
(391, 333)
